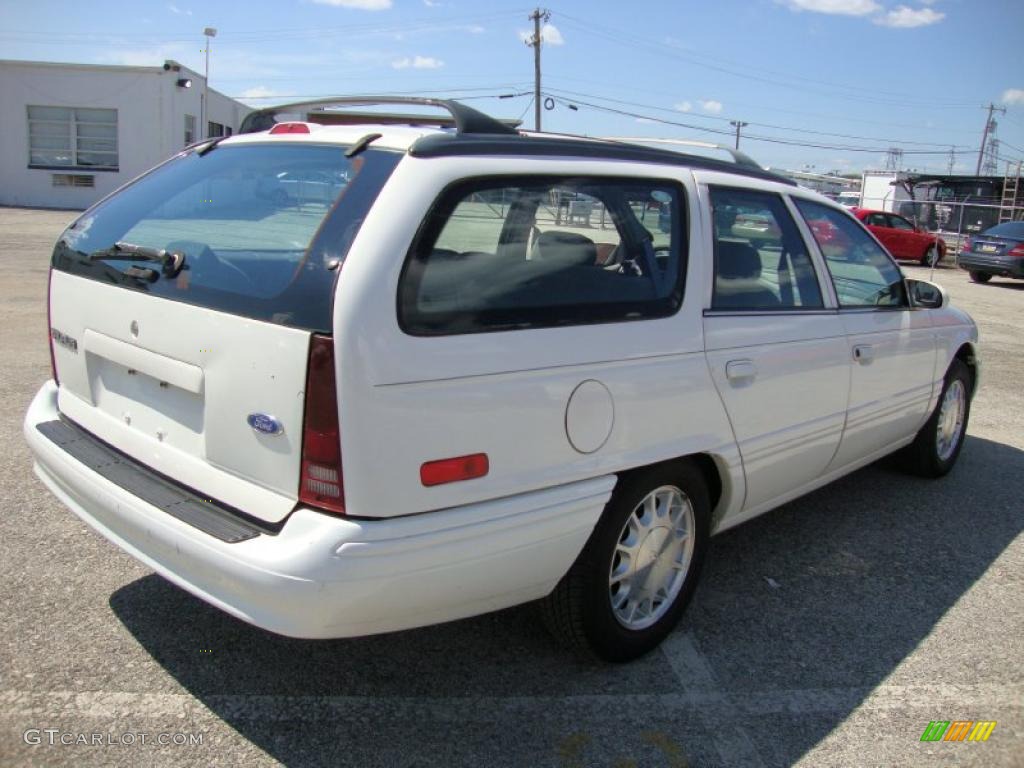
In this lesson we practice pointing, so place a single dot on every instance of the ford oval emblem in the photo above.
(261, 422)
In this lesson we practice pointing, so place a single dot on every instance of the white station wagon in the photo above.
(340, 379)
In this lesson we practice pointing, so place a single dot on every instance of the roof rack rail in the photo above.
(740, 158)
(467, 119)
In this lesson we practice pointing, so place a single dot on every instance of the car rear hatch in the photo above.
(198, 369)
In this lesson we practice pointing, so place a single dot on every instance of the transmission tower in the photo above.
(894, 159)
(990, 164)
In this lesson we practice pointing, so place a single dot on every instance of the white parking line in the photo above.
(16, 704)
(718, 714)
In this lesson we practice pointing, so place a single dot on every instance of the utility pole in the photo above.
(984, 135)
(737, 124)
(952, 159)
(537, 17)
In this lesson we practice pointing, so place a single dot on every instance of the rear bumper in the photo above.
(1002, 266)
(322, 576)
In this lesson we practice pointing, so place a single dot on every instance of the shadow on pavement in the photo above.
(863, 571)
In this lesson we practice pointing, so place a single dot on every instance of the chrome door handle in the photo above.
(740, 371)
(864, 353)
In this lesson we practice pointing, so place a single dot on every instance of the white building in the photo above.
(75, 132)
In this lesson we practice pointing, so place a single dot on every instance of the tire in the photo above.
(931, 257)
(591, 612)
(980, 277)
(931, 455)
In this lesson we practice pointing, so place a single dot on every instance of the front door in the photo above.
(891, 346)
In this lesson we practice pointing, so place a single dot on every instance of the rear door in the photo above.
(777, 354)
(891, 346)
(201, 374)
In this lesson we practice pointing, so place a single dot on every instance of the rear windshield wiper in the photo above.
(172, 261)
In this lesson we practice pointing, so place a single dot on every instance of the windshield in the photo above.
(262, 228)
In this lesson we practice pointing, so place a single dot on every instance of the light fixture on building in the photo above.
(184, 82)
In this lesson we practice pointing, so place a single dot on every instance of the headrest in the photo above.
(737, 260)
(566, 248)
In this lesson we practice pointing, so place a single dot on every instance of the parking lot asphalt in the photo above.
(828, 632)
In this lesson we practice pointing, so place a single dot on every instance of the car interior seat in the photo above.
(738, 283)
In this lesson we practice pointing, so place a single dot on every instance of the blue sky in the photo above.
(839, 74)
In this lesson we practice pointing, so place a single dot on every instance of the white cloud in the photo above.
(417, 62)
(431, 3)
(144, 57)
(904, 17)
(550, 35)
(839, 7)
(1013, 96)
(362, 5)
(684, 106)
(259, 92)
(712, 106)
(475, 29)
(180, 12)
(643, 120)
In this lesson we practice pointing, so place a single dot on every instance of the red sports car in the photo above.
(901, 238)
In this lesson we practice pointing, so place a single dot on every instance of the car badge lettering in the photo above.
(261, 422)
(64, 340)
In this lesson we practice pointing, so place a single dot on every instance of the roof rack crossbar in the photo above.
(467, 119)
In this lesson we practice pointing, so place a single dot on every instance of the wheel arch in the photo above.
(714, 470)
(966, 354)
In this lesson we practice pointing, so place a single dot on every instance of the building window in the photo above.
(215, 129)
(190, 129)
(72, 137)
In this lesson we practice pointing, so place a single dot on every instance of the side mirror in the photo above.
(928, 295)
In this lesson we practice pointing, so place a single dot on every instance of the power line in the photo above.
(751, 137)
(762, 125)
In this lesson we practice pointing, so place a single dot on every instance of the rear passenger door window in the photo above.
(503, 254)
(864, 275)
(761, 261)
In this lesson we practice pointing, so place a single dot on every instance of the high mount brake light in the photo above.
(289, 128)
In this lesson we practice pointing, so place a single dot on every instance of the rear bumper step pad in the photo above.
(204, 514)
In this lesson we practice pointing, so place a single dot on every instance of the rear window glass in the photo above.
(1014, 229)
(262, 228)
(540, 252)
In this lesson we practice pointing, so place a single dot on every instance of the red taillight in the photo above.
(290, 128)
(966, 246)
(454, 470)
(49, 329)
(320, 484)
(1018, 251)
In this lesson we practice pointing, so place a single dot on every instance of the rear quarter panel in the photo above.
(405, 400)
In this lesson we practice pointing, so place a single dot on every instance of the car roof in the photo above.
(474, 134)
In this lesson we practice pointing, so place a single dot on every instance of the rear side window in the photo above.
(863, 273)
(761, 262)
(262, 227)
(501, 254)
